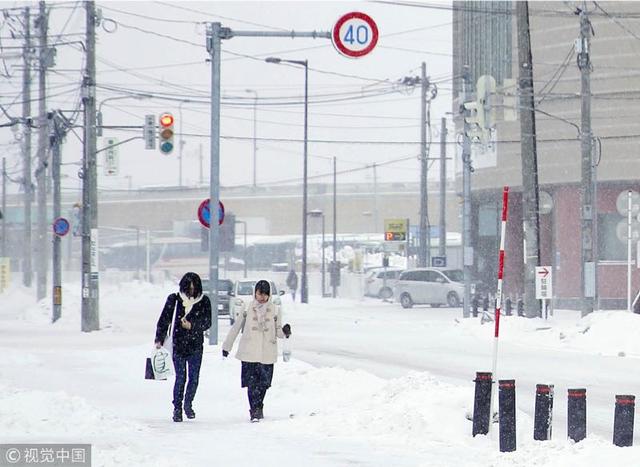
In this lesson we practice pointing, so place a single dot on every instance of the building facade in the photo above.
(615, 102)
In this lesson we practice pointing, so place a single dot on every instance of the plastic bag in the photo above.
(286, 349)
(161, 363)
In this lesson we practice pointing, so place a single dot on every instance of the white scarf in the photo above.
(189, 302)
(261, 311)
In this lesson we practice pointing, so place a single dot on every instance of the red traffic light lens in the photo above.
(166, 120)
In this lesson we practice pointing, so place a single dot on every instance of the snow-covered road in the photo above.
(387, 340)
(369, 384)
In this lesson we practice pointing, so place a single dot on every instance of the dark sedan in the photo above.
(224, 287)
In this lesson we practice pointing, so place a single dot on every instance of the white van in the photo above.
(430, 286)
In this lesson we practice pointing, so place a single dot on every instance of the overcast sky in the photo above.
(159, 48)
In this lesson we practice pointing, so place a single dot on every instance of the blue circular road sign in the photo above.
(61, 227)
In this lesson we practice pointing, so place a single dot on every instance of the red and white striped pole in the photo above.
(505, 208)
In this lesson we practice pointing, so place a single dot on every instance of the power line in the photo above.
(619, 23)
(173, 5)
(152, 18)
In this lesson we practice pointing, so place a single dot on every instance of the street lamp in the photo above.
(319, 213)
(304, 298)
(255, 132)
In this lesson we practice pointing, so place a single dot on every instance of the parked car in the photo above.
(225, 287)
(242, 294)
(376, 285)
(431, 286)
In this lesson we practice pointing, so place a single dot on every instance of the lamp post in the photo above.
(319, 213)
(304, 298)
(255, 132)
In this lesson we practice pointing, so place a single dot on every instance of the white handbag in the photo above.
(161, 364)
(168, 340)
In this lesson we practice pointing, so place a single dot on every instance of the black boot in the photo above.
(177, 415)
(254, 416)
(259, 414)
(188, 411)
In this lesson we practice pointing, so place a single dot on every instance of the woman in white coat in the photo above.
(258, 349)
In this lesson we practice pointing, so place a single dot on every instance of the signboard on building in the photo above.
(544, 290)
(5, 273)
(395, 230)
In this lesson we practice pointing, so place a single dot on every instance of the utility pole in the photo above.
(335, 275)
(4, 208)
(90, 278)
(57, 135)
(442, 239)
(467, 248)
(26, 151)
(43, 144)
(589, 285)
(375, 198)
(201, 166)
(214, 47)
(424, 247)
(530, 201)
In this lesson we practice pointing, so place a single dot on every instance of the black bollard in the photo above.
(508, 307)
(520, 306)
(507, 414)
(543, 412)
(474, 306)
(577, 414)
(482, 403)
(623, 420)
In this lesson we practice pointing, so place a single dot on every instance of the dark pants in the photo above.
(256, 397)
(186, 365)
(256, 377)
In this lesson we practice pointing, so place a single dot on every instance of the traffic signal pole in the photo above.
(214, 47)
(215, 34)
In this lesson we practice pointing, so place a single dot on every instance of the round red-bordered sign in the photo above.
(355, 34)
(204, 213)
(61, 226)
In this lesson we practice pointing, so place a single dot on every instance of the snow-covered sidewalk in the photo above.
(60, 385)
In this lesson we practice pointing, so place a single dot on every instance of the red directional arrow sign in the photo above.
(544, 283)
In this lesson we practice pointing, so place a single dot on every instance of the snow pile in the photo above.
(606, 333)
(56, 417)
(600, 332)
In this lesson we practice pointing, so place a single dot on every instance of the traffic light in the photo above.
(486, 89)
(228, 232)
(166, 133)
(481, 113)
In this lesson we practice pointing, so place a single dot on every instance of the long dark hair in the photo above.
(187, 280)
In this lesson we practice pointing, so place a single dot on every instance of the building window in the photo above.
(610, 247)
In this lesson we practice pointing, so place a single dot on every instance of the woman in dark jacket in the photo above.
(192, 318)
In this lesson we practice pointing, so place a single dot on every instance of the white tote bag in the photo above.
(167, 346)
(161, 364)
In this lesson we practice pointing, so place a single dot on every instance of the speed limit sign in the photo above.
(355, 34)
